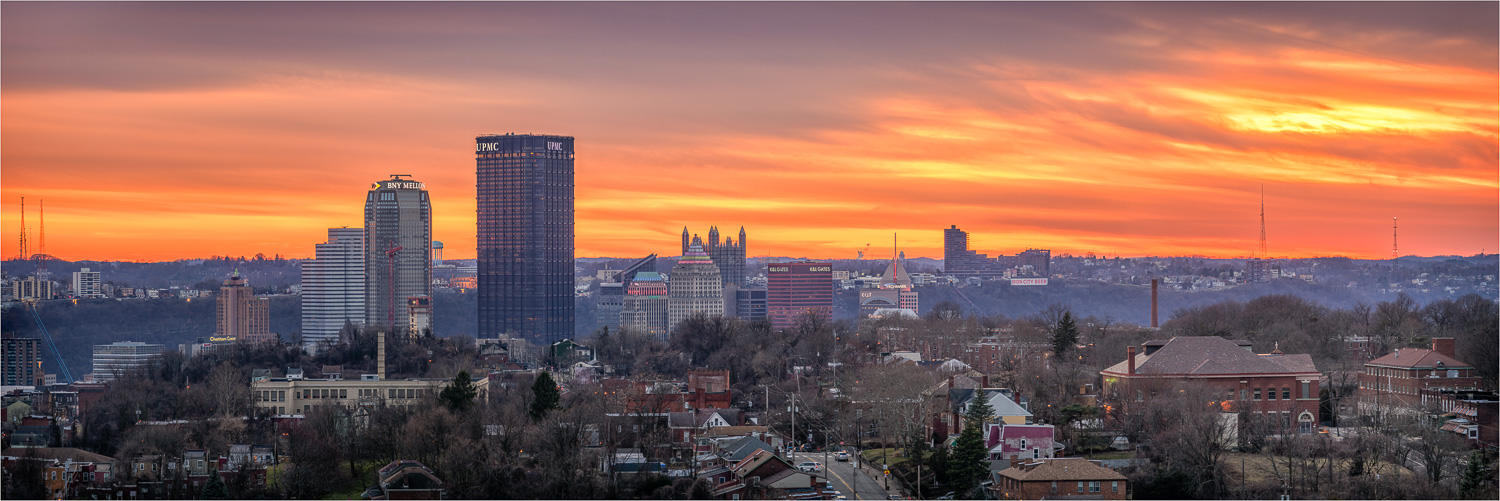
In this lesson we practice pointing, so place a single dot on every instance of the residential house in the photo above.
(1272, 384)
(406, 479)
(1007, 411)
(1060, 478)
(1394, 382)
(764, 475)
(1014, 443)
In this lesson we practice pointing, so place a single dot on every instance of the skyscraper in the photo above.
(695, 287)
(398, 250)
(22, 360)
(333, 286)
(644, 308)
(241, 315)
(525, 202)
(793, 289)
(728, 254)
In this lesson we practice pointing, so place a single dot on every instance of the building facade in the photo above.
(31, 289)
(728, 254)
(23, 361)
(86, 283)
(962, 263)
(398, 250)
(695, 287)
(239, 314)
(1274, 386)
(283, 396)
(745, 303)
(1061, 478)
(525, 203)
(114, 360)
(611, 303)
(644, 308)
(793, 289)
(333, 287)
(1399, 378)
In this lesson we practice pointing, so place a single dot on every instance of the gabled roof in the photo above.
(1062, 469)
(1209, 356)
(743, 447)
(1418, 358)
(959, 398)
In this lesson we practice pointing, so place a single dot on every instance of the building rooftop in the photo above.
(1211, 355)
(1060, 469)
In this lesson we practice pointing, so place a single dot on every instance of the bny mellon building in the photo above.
(398, 250)
(525, 204)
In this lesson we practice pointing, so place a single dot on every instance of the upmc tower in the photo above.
(525, 187)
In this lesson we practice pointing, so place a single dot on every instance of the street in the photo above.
(843, 476)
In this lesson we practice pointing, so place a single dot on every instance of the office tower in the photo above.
(86, 283)
(644, 308)
(111, 361)
(398, 250)
(728, 255)
(22, 360)
(793, 289)
(611, 302)
(333, 287)
(525, 202)
(747, 303)
(241, 315)
(695, 287)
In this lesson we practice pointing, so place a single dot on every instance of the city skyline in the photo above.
(1119, 128)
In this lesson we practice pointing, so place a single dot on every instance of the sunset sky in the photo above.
(177, 130)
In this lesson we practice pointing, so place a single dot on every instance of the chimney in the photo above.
(984, 381)
(380, 357)
(950, 382)
(1443, 345)
(699, 396)
(1130, 360)
(1153, 302)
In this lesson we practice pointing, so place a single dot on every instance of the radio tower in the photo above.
(1263, 222)
(41, 248)
(1394, 255)
(24, 255)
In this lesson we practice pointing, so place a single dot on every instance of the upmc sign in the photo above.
(1028, 281)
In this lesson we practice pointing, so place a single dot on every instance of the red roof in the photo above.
(1418, 358)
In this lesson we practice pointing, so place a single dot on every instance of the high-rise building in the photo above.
(23, 360)
(696, 287)
(793, 289)
(961, 262)
(525, 202)
(241, 315)
(728, 254)
(644, 308)
(86, 283)
(114, 360)
(747, 303)
(398, 250)
(31, 288)
(333, 287)
(611, 302)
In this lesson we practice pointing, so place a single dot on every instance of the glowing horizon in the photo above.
(172, 131)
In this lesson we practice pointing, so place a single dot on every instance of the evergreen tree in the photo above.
(1064, 335)
(968, 463)
(1472, 484)
(215, 488)
(544, 395)
(460, 394)
(940, 461)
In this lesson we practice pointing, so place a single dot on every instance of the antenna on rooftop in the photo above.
(1263, 221)
(1394, 255)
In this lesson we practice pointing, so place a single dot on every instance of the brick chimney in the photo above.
(1130, 360)
(984, 381)
(1443, 345)
(699, 398)
(950, 382)
(1153, 302)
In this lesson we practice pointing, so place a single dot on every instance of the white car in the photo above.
(810, 466)
(842, 456)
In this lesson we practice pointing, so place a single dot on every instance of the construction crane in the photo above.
(390, 255)
(62, 367)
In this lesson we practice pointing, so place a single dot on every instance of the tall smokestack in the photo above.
(1130, 360)
(1153, 302)
(380, 357)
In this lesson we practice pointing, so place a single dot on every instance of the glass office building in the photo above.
(525, 204)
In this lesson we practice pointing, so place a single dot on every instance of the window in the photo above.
(1023, 443)
(393, 393)
(1286, 393)
(1036, 452)
(1080, 487)
(1054, 486)
(1244, 394)
(1229, 395)
(343, 393)
(1094, 486)
(1257, 393)
(1306, 386)
(1114, 486)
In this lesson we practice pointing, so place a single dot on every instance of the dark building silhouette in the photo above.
(728, 255)
(525, 205)
(961, 262)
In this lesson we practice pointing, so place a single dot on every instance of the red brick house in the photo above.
(1060, 478)
(1398, 378)
(1272, 384)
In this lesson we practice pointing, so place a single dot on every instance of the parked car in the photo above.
(810, 466)
(946, 496)
(842, 456)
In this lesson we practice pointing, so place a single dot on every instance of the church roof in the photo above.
(896, 274)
